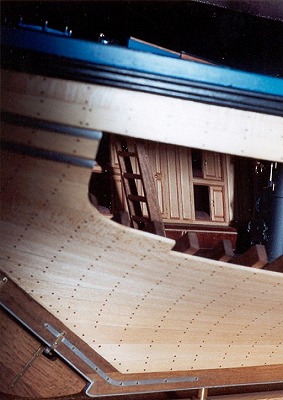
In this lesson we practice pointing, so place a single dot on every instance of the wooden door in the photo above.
(218, 203)
(158, 165)
(171, 170)
(212, 166)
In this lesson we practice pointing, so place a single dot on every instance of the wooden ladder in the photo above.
(139, 186)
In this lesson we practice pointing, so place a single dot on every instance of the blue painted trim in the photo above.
(53, 127)
(120, 57)
(47, 154)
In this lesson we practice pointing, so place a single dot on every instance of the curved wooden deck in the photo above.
(142, 307)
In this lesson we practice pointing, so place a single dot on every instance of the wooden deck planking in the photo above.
(134, 114)
(50, 141)
(149, 309)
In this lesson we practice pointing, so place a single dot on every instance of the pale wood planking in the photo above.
(51, 141)
(140, 305)
(144, 115)
(147, 309)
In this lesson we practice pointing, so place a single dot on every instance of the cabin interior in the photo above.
(209, 193)
(207, 207)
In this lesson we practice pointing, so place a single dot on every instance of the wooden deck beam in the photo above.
(255, 257)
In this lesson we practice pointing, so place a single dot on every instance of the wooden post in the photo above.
(187, 243)
(255, 257)
(276, 265)
(150, 191)
(222, 251)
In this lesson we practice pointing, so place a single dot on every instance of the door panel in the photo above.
(173, 167)
(185, 187)
(217, 203)
(159, 169)
(212, 165)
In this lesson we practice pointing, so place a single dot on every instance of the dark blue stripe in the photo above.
(119, 57)
(50, 126)
(46, 154)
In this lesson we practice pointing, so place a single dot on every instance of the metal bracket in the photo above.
(202, 394)
(41, 350)
(3, 281)
(49, 349)
(106, 377)
(38, 352)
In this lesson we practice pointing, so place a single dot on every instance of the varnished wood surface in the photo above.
(274, 395)
(144, 115)
(28, 313)
(255, 257)
(276, 265)
(277, 395)
(144, 308)
(24, 374)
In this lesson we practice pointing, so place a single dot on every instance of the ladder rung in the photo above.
(126, 153)
(129, 175)
(134, 197)
(138, 218)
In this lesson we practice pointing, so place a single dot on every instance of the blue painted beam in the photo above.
(137, 61)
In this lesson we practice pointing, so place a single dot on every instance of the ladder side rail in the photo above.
(129, 185)
(149, 187)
